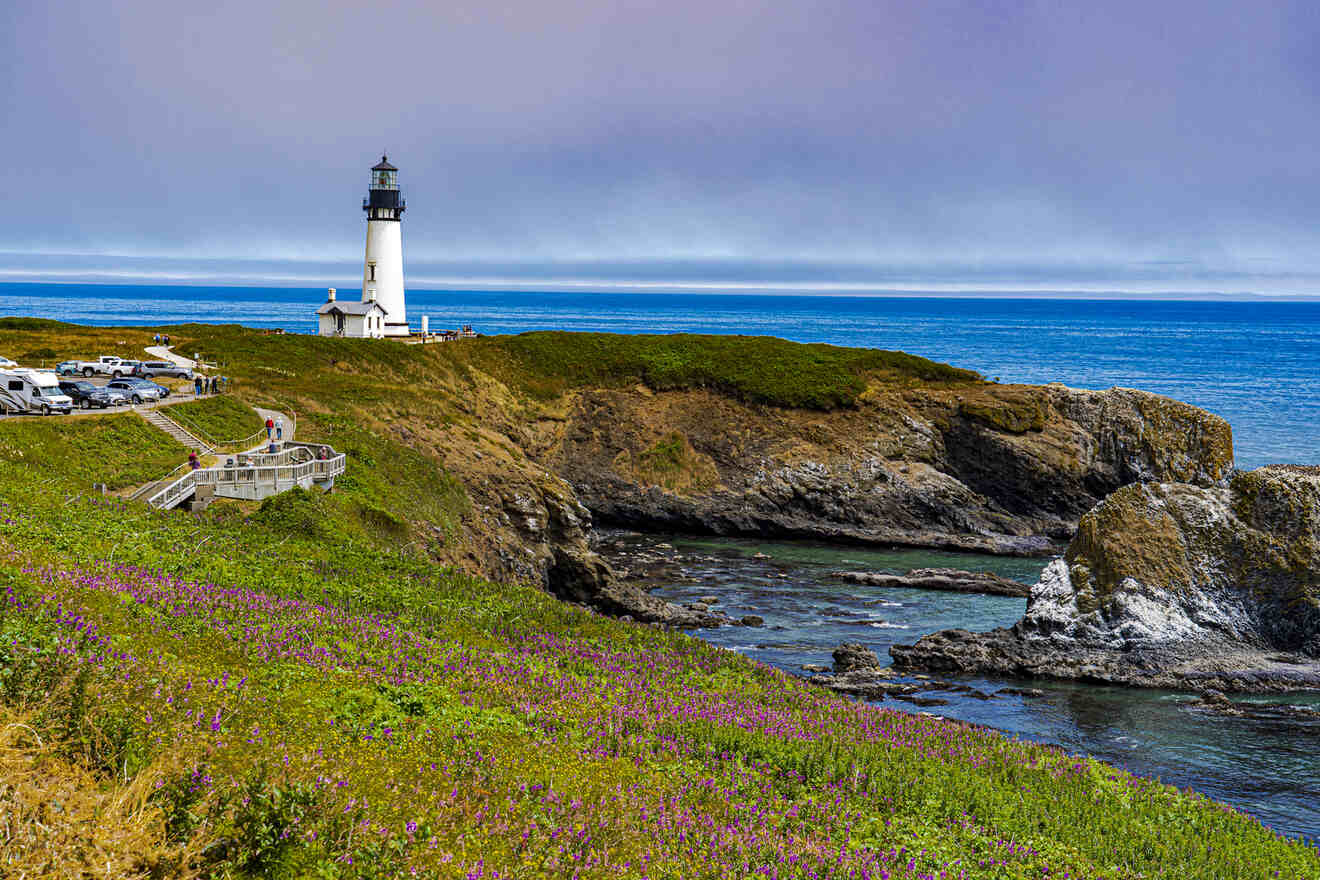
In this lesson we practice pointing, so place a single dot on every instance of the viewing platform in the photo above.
(254, 476)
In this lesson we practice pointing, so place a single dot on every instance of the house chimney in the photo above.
(331, 296)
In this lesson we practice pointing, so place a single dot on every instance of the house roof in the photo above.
(349, 307)
(383, 165)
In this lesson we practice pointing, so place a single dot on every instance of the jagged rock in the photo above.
(1169, 585)
(980, 466)
(752, 620)
(1029, 693)
(709, 600)
(948, 579)
(851, 656)
(814, 667)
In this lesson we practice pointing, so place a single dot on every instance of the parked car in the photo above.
(164, 389)
(86, 395)
(67, 368)
(7, 364)
(138, 390)
(152, 369)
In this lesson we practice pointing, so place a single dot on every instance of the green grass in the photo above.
(753, 369)
(305, 694)
(331, 708)
(117, 449)
(222, 419)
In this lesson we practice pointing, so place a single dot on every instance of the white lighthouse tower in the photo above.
(382, 270)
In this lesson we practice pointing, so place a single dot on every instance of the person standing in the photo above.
(279, 428)
(197, 386)
(270, 428)
(193, 461)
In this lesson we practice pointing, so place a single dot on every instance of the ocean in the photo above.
(1254, 363)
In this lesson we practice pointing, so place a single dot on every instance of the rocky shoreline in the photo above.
(980, 467)
(1168, 585)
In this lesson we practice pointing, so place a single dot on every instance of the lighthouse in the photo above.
(382, 269)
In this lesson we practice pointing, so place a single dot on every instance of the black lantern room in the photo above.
(383, 201)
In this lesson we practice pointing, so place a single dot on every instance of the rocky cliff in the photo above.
(974, 466)
(1170, 584)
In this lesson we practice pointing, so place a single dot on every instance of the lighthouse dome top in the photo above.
(383, 165)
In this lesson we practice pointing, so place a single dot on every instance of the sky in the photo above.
(830, 144)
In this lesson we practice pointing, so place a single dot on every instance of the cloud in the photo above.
(754, 130)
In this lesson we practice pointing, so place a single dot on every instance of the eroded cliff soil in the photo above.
(985, 467)
(1169, 584)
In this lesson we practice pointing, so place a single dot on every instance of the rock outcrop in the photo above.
(978, 466)
(1169, 585)
(949, 580)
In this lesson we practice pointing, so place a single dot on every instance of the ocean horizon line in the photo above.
(711, 288)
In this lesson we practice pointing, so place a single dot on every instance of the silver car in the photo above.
(137, 390)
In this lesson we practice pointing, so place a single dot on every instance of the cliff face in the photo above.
(1004, 469)
(1170, 584)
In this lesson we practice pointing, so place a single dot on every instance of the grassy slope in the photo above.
(755, 369)
(118, 449)
(220, 420)
(335, 708)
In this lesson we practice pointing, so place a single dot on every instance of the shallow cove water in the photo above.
(1270, 769)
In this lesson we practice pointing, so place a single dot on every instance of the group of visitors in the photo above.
(209, 384)
(275, 428)
(161, 339)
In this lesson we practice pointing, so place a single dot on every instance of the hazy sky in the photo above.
(868, 133)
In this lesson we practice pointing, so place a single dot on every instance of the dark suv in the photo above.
(152, 369)
(87, 395)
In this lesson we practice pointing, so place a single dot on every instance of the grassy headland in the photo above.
(298, 689)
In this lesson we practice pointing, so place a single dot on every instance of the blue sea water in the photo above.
(1254, 363)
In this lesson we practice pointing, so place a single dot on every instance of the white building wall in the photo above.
(385, 249)
(355, 326)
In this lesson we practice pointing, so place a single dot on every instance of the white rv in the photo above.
(30, 391)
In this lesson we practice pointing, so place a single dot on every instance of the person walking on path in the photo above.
(279, 428)
(270, 429)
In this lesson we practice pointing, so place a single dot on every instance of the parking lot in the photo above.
(180, 391)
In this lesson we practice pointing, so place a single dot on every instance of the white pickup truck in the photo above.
(105, 365)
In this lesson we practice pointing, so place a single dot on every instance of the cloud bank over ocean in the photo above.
(892, 142)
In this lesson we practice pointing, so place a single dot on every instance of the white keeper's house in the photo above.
(361, 320)
(381, 311)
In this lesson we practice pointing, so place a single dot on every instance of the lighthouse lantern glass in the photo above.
(384, 180)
